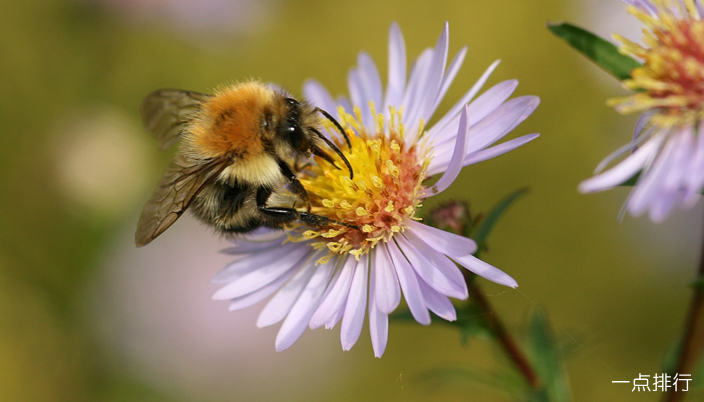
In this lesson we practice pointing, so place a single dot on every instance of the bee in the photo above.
(235, 166)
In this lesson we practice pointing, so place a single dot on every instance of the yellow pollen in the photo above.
(671, 80)
(390, 207)
(385, 191)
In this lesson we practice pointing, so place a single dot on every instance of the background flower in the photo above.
(666, 151)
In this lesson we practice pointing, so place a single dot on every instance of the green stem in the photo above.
(692, 343)
(510, 347)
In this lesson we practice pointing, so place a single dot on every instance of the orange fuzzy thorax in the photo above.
(230, 122)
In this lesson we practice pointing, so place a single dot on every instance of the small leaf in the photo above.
(602, 52)
(487, 224)
(547, 358)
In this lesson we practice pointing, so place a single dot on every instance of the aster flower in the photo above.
(667, 150)
(320, 276)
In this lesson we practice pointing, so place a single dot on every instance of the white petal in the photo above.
(263, 275)
(279, 305)
(455, 110)
(334, 299)
(436, 302)
(297, 320)
(243, 266)
(316, 93)
(444, 242)
(356, 305)
(485, 270)
(624, 170)
(388, 291)
(378, 323)
(262, 293)
(452, 284)
(455, 163)
(396, 84)
(409, 284)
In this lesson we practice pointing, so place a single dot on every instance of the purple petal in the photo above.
(263, 275)
(624, 170)
(445, 277)
(243, 266)
(433, 78)
(436, 302)
(410, 98)
(260, 294)
(378, 323)
(353, 319)
(388, 292)
(455, 163)
(444, 242)
(455, 110)
(484, 154)
(316, 93)
(652, 181)
(485, 270)
(681, 159)
(409, 284)
(371, 82)
(297, 320)
(500, 122)
(279, 305)
(450, 75)
(336, 296)
(397, 69)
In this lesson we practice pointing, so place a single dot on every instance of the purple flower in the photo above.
(667, 149)
(319, 276)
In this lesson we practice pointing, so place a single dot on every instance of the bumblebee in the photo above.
(235, 167)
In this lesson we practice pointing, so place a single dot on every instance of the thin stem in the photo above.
(513, 351)
(692, 343)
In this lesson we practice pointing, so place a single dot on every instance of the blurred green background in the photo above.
(84, 316)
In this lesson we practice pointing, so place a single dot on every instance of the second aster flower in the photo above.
(320, 276)
(667, 151)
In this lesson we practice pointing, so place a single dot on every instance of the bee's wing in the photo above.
(164, 113)
(181, 182)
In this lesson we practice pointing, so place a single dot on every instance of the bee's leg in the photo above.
(296, 187)
(283, 215)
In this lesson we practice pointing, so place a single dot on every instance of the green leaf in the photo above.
(602, 52)
(547, 358)
(470, 321)
(487, 224)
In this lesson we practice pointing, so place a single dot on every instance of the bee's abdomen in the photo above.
(228, 207)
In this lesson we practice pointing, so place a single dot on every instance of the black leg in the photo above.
(280, 215)
(296, 187)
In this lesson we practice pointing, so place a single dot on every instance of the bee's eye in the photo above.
(296, 137)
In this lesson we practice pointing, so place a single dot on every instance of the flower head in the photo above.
(667, 149)
(323, 275)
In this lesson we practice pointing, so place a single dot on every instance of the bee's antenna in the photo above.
(337, 151)
(339, 127)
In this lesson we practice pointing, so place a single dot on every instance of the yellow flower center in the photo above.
(384, 192)
(671, 80)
